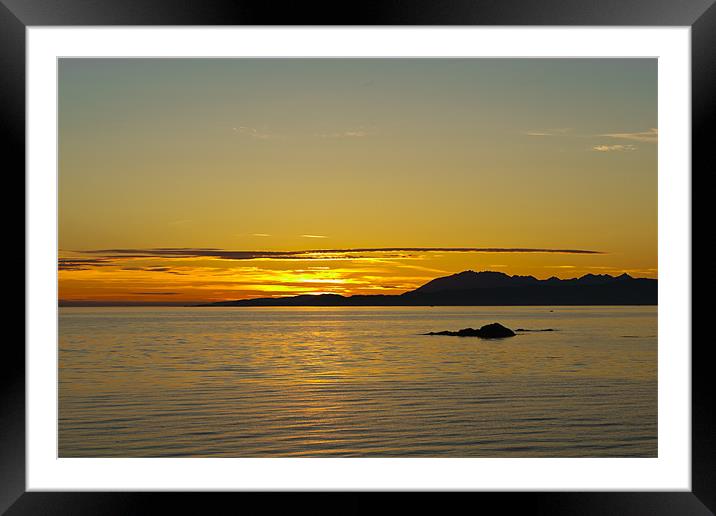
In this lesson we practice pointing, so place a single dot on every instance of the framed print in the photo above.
(418, 250)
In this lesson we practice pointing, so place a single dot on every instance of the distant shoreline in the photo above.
(467, 288)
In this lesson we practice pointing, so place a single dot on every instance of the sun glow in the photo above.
(183, 280)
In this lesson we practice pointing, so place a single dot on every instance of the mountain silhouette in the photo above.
(470, 288)
(470, 279)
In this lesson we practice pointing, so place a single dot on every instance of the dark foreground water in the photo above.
(318, 382)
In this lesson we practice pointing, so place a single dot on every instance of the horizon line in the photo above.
(119, 303)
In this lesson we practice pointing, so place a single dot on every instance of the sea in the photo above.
(357, 382)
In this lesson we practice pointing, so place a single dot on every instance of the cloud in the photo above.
(262, 134)
(260, 235)
(253, 132)
(614, 148)
(82, 264)
(306, 254)
(550, 132)
(650, 136)
(156, 293)
(353, 133)
(168, 270)
(314, 236)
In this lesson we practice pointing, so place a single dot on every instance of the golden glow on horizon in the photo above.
(177, 280)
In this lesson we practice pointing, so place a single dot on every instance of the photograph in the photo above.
(357, 257)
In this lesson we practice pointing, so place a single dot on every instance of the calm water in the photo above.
(318, 382)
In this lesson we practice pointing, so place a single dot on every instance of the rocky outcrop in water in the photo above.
(489, 331)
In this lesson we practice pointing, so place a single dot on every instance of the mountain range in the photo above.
(470, 288)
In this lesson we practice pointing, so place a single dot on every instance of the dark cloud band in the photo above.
(108, 255)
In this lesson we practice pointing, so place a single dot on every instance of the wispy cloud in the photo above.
(155, 293)
(81, 264)
(614, 148)
(650, 136)
(260, 235)
(179, 222)
(352, 133)
(314, 236)
(109, 257)
(168, 270)
(263, 134)
(550, 132)
(253, 132)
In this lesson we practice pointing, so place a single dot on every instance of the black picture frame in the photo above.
(16, 15)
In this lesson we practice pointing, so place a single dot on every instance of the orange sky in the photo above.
(127, 276)
(192, 180)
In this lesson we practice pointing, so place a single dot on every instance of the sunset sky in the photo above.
(189, 180)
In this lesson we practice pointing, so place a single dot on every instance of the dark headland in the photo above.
(487, 288)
